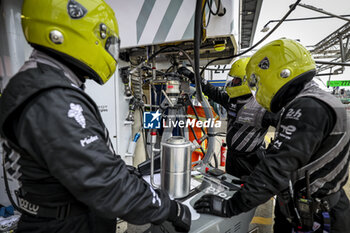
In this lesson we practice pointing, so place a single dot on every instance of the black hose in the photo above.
(210, 3)
(292, 8)
(197, 43)
(195, 137)
(143, 131)
(332, 63)
(160, 51)
(160, 94)
(196, 114)
(144, 97)
(168, 70)
(173, 47)
(208, 21)
(216, 161)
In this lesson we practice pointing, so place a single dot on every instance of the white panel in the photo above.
(105, 99)
(114, 109)
(222, 25)
(126, 13)
(181, 21)
(121, 111)
(236, 19)
(154, 21)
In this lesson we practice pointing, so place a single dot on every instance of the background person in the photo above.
(247, 121)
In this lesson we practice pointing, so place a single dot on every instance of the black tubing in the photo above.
(292, 8)
(197, 43)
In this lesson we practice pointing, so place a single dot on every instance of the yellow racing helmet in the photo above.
(82, 32)
(236, 84)
(278, 71)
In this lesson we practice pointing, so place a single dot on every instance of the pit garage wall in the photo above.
(14, 49)
(151, 22)
(114, 108)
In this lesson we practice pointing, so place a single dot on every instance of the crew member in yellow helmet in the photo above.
(247, 121)
(56, 143)
(236, 84)
(307, 164)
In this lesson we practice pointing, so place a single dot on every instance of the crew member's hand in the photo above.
(211, 204)
(187, 73)
(180, 216)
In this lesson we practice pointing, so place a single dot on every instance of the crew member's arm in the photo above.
(299, 137)
(216, 94)
(72, 145)
(270, 119)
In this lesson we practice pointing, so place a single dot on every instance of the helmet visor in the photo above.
(113, 46)
(233, 81)
(228, 80)
(236, 87)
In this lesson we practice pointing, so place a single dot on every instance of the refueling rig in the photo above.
(158, 37)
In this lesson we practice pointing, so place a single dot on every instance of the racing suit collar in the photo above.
(40, 57)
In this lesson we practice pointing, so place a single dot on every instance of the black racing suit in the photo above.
(305, 125)
(67, 158)
(241, 158)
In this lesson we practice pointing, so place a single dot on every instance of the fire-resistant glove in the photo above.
(211, 204)
(187, 73)
(180, 216)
